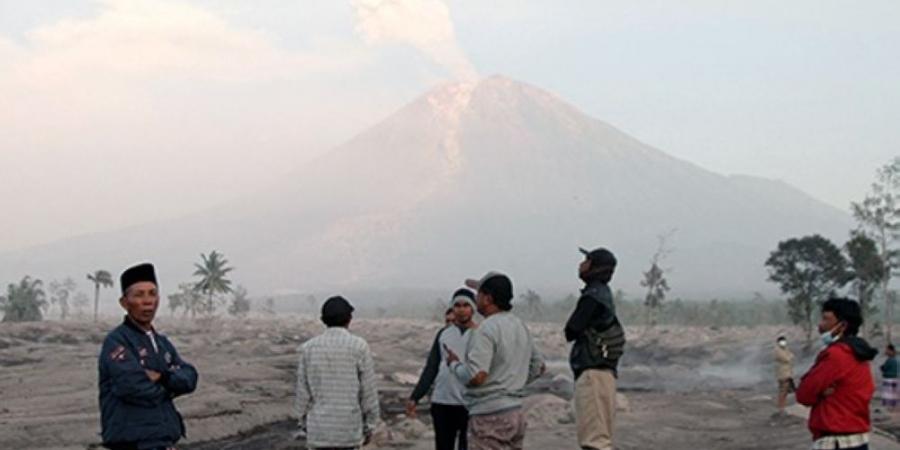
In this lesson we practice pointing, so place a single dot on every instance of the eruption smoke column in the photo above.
(423, 24)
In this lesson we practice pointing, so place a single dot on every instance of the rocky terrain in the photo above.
(682, 388)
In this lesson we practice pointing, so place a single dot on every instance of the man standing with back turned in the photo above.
(599, 343)
(141, 373)
(336, 403)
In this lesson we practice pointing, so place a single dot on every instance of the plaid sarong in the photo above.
(848, 441)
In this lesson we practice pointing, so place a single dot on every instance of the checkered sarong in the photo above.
(843, 441)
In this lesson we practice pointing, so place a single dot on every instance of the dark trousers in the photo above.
(450, 424)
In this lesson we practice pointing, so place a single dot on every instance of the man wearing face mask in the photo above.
(839, 386)
(784, 372)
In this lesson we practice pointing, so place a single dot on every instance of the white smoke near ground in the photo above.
(423, 24)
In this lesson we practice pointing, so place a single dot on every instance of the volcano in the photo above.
(494, 174)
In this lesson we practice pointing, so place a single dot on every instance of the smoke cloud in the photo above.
(424, 24)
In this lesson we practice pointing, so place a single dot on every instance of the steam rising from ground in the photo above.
(424, 24)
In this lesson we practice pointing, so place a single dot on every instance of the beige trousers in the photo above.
(595, 409)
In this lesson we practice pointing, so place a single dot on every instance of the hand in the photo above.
(451, 356)
(411, 409)
(153, 375)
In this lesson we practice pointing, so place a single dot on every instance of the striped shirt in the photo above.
(337, 402)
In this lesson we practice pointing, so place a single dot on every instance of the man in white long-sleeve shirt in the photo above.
(337, 402)
(500, 360)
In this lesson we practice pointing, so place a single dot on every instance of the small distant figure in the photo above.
(839, 386)
(599, 342)
(448, 407)
(336, 402)
(500, 360)
(889, 375)
(449, 317)
(784, 372)
(141, 373)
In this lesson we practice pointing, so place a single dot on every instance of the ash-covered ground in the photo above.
(682, 387)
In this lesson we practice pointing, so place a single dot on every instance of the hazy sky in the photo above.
(119, 112)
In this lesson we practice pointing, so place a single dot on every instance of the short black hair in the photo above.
(499, 287)
(891, 347)
(341, 320)
(780, 338)
(846, 310)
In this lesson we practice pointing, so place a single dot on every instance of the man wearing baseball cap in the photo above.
(500, 360)
(141, 373)
(337, 402)
(448, 410)
(599, 341)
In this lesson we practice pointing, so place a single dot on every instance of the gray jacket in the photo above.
(502, 347)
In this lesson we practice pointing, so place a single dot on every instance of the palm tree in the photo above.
(212, 272)
(99, 278)
(23, 302)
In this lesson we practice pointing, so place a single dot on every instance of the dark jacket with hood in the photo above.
(839, 387)
(135, 412)
(598, 335)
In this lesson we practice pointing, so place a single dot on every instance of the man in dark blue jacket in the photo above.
(140, 373)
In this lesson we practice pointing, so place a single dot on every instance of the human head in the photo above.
(782, 341)
(462, 305)
(449, 317)
(495, 293)
(337, 312)
(890, 350)
(140, 294)
(841, 317)
(598, 265)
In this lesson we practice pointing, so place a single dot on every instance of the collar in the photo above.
(337, 330)
(462, 329)
(593, 284)
(131, 324)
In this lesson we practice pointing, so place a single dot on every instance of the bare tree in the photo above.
(60, 291)
(240, 302)
(655, 278)
(534, 307)
(80, 302)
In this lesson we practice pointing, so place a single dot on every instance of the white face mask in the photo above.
(782, 344)
(828, 338)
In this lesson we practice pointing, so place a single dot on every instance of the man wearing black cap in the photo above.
(500, 360)
(448, 408)
(599, 343)
(336, 402)
(141, 373)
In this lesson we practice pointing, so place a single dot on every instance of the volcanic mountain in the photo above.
(494, 174)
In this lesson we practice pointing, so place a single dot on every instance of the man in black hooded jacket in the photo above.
(599, 341)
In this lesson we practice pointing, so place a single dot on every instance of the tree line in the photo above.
(210, 291)
(810, 269)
